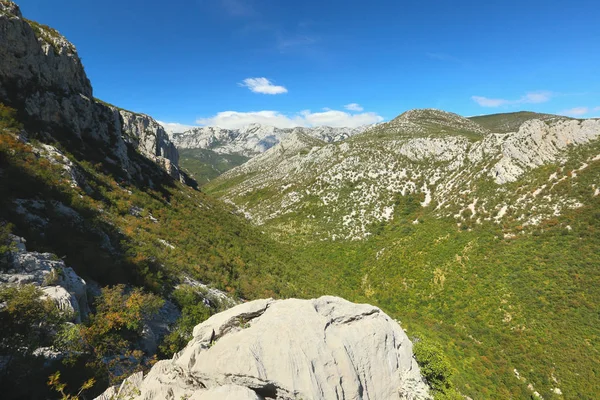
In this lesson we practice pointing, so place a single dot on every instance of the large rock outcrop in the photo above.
(42, 77)
(58, 282)
(326, 348)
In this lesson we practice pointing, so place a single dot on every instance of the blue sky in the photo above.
(285, 62)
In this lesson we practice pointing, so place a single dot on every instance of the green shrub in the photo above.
(110, 334)
(193, 312)
(27, 323)
(8, 118)
(435, 366)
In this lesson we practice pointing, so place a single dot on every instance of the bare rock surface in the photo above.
(325, 348)
(42, 76)
(58, 282)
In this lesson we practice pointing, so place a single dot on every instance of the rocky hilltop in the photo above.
(326, 348)
(450, 164)
(254, 139)
(42, 76)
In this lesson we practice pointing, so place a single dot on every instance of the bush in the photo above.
(193, 312)
(27, 323)
(111, 334)
(435, 367)
(8, 118)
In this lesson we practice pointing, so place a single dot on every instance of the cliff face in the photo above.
(42, 76)
(150, 138)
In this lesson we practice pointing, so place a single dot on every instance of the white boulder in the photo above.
(326, 348)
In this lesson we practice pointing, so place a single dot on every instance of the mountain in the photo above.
(481, 233)
(211, 151)
(450, 164)
(118, 238)
(509, 122)
(43, 78)
(253, 139)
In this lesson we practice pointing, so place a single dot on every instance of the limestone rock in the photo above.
(326, 348)
(227, 392)
(58, 282)
(42, 76)
(254, 139)
(150, 138)
(64, 301)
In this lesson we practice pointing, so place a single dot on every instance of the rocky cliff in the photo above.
(150, 138)
(42, 76)
(326, 348)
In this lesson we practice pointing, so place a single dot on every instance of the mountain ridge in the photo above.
(254, 138)
(399, 158)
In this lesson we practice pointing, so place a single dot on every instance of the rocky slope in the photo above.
(326, 348)
(449, 164)
(42, 76)
(58, 282)
(254, 139)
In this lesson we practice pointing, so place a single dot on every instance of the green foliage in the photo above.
(193, 312)
(510, 122)
(107, 340)
(27, 324)
(205, 165)
(5, 244)
(8, 118)
(435, 366)
(55, 383)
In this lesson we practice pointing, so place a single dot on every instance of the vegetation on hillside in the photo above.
(113, 231)
(497, 310)
(509, 304)
(204, 165)
(509, 122)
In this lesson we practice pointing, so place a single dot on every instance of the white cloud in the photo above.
(263, 85)
(528, 98)
(353, 107)
(334, 118)
(235, 119)
(487, 102)
(175, 127)
(536, 97)
(576, 111)
(596, 109)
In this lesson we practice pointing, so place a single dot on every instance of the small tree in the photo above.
(110, 334)
(436, 369)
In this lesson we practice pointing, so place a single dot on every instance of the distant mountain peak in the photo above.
(254, 139)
